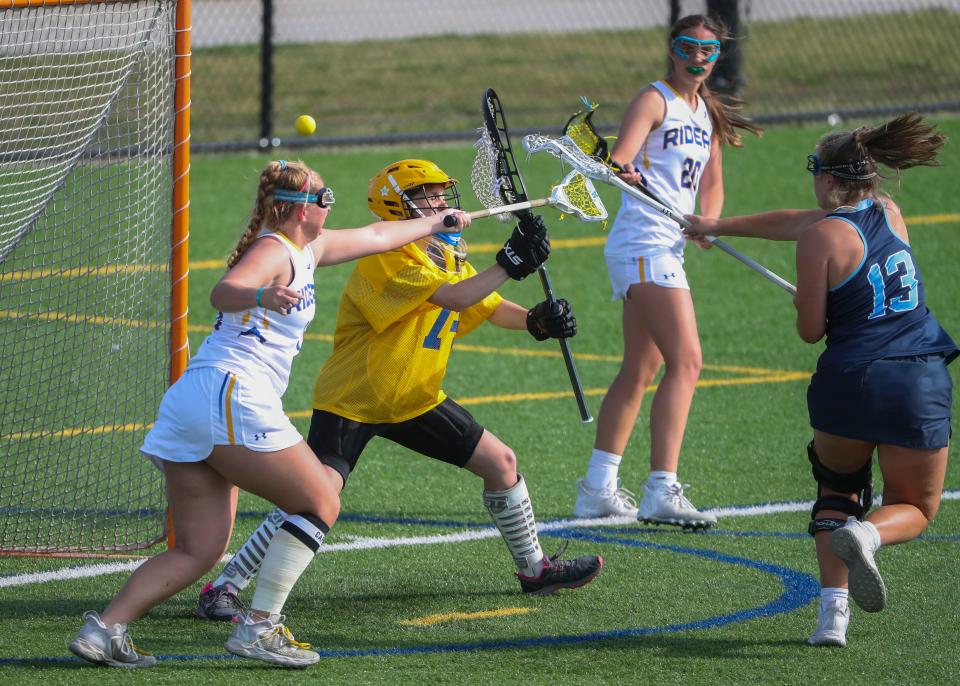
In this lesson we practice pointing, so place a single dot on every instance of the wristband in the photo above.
(259, 294)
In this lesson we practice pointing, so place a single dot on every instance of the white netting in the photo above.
(575, 195)
(484, 177)
(86, 139)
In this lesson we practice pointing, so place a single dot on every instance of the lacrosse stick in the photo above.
(575, 195)
(497, 184)
(566, 149)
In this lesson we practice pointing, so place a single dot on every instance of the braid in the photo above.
(286, 175)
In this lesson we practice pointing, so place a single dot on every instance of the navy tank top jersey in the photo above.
(880, 310)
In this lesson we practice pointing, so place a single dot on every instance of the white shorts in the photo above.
(663, 269)
(208, 407)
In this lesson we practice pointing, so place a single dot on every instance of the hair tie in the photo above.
(283, 164)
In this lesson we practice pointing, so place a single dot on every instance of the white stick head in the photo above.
(566, 149)
(576, 196)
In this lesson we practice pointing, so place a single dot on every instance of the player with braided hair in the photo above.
(222, 425)
(399, 315)
(882, 382)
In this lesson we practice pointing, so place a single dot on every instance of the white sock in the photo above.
(290, 551)
(512, 514)
(830, 594)
(661, 478)
(603, 470)
(245, 564)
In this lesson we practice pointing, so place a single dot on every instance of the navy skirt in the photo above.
(902, 401)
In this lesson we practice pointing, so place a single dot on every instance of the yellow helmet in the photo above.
(386, 194)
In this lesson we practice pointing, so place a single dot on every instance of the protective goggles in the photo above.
(323, 197)
(855, 171)
(686, 48)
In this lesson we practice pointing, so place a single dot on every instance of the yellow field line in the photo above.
(71, 432)
(456, 616)
(80, 318)
(475, 248)
(779, 377)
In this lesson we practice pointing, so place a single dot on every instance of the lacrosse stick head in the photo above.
(576, 196)
(495, 179)
(566, 150)
(485, 176)
(580, 128)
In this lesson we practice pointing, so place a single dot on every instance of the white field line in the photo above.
(364, 543)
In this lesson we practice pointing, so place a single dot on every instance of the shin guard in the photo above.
(290, 551)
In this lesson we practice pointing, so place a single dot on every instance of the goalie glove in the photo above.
(551, 319)
(527, 248)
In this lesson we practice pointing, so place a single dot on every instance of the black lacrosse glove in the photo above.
(527, 248)
(551, 319)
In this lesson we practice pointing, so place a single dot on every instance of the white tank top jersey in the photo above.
(259, 341)
(672, 158)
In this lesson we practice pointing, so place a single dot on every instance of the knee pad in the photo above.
(858, 482)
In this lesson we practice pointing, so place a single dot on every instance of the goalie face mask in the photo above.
(388, 190)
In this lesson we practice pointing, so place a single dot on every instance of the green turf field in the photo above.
(434, 601)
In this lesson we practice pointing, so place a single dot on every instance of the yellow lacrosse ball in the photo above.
(305, 125)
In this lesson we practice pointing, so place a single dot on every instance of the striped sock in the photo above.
(512, 513)
(245, 564)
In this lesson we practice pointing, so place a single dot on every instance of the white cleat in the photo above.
(855, 543)
(108, 645)
(831, 625)
(269, 640)
(666, 504)
(611, 501)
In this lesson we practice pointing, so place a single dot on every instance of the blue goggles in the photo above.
(854, 171)
(685, 48)
(323, 197)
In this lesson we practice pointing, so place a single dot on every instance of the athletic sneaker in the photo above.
(103, 645)
(611, 501)
(666, 504)
(855, 543)
(562, 574)
(831, 625)
(269, 640)
(219, 603)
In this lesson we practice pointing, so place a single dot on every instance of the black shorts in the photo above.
(447, 433)
(903, 401)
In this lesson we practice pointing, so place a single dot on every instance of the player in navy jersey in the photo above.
(671, 140)
(882, 383)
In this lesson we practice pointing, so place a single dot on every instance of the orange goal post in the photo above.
(94, 217)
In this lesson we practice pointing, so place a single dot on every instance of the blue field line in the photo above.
(798, 590)
(647, 531)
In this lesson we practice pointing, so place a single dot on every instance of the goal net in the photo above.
(89, 168)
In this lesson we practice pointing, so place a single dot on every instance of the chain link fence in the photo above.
(373, 71)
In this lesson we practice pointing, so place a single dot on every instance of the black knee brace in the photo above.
(858, 482)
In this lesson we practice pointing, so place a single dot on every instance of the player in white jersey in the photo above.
(221, 425)
(670, 141)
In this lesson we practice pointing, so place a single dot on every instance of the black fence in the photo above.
(372, 71)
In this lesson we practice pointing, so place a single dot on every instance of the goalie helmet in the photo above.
(387, 192)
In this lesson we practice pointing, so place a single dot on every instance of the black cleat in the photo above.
(562, 574)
